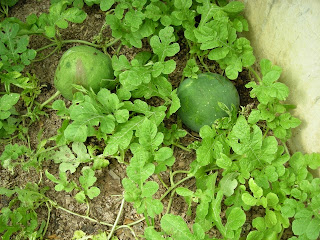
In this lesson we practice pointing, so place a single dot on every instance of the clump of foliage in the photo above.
(242, 161)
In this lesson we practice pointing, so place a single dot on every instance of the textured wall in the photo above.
(288, 33)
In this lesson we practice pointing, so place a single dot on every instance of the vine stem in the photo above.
(78, 215)
(182, 147)
(131, 224)
(162, 197)
(255, 74)
(57, 93)
(174, 186)
(285, 147)
(203, 64)
(48, 217)
(266, 132)
(170, 202)
(161, 180)
(114, 226)
(117, 220)
(127, 226)
(68, 41)
(112, 42)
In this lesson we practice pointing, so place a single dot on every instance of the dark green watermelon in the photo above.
(199, 99)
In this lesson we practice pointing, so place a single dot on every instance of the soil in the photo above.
(105, 207)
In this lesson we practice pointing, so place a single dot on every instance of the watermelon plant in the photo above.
(129, 112)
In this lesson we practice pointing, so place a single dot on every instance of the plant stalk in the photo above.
(79, 215)
(255, 74)
(57, 93)
(117, 220)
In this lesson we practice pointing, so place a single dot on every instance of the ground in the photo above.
(106, 206)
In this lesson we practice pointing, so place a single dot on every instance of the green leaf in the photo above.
(80, 197)
(185, 192)
(255, 189)
(11, 155)
(299, 226)
(180, 4)
(175, 104)
(66, 158)
(138, 170)
(132, 193)
(205, 151)
(93, 192)
(163, 154)
(234, 7)
(87, 179)
(100, 163)
(105, 5)
(235, 219)
(149, 188)
(269, 90)
(62, 183)
(14, 53)
(248, 199)
(271, 218)
(88, 114)
(161, 44)
(313, 229)
(259, 223)
(152, 206)
(313, 160)
(176, 227)
(148, 134)
(255, 149)
(191, 69)
(76, 132)
(7, 101)
(228, 183)
(151, 234)
(198, 231)
(224, 161)
(121, 139)
(272, 199)
(60, 106)
(109, 101)
(169, 66)
(218, 53)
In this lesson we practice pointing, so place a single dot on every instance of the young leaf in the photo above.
(14, 53)
(228, 183)
(87, 180)
(139, 172)
(255, 149)
(152, 206)
(149, 188)
(62, 183)
(148, 134)
(11, 154)
(66, 158)
(162, 45)
(59, 15)
(122, 137)
(176, 227)
(235, 219)
(151, 234)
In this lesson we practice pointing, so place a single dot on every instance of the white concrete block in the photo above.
(287, 32)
